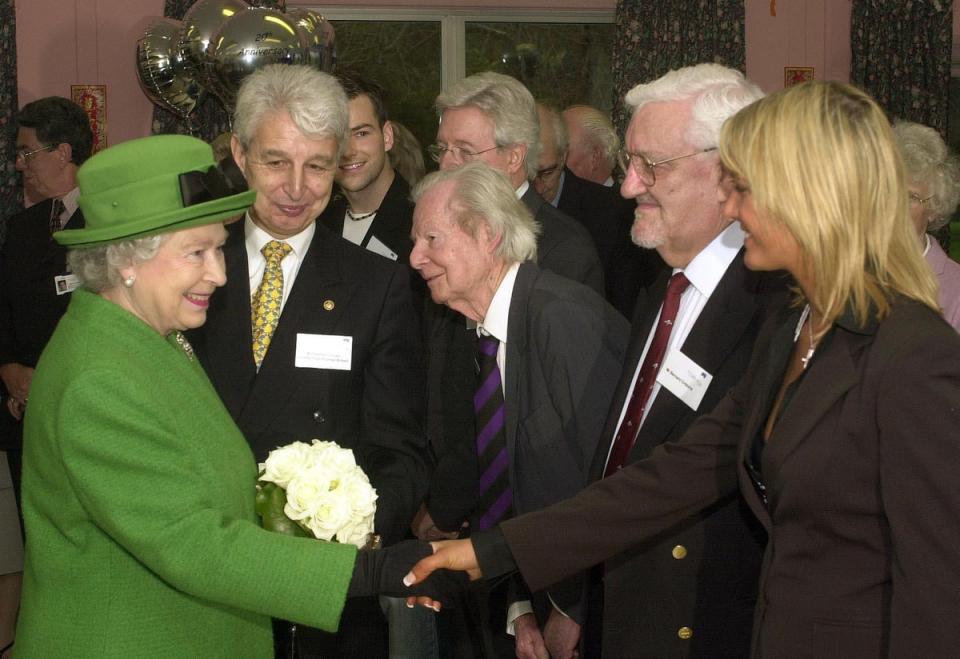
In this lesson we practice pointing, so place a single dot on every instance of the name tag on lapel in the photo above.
(328, 351)
(684, 378)
(377, 247)
(66, 283)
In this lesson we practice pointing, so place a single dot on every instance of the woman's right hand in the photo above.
(455, 555)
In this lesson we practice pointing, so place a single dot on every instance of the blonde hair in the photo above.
(821, 159)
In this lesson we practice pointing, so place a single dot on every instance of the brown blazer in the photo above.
(861, 476)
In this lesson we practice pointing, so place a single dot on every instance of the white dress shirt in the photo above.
(704, 273)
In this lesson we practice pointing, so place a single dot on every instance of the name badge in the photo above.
(64, 284)
(377, 247)
(684, 378)
(327, 351)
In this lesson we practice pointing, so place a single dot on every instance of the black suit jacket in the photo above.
(375, 408)
(29, 305)
(627, 269)
(564, 350)
(711, 587)
(564, 246)
(861, 497)
(392, 224)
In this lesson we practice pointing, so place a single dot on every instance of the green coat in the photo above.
(138, 495)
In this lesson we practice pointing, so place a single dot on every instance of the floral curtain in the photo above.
(901, 56)
(10, 192)
(655, 36)
(210, 118)
(901, 51)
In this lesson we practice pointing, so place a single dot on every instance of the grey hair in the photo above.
(314, 100)
(483, 194)
(928, 161)
(98, 268)
(717, 92)
(559, 126)
(509, 105)
(598, 128)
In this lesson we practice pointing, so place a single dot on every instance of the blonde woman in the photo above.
(842, 437)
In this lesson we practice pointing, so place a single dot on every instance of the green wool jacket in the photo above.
(138, 494)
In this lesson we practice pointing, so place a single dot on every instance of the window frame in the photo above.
(453, 27)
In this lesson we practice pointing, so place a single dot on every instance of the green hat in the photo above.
(154, 185)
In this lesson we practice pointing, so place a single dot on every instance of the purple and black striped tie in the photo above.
(494, 496)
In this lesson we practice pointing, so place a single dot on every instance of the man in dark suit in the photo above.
(691, 591)
(372, 206)
(53, 140)
(342, 362)
(492, 118)
(605, 214)
(559, 347)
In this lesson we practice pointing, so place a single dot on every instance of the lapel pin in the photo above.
(328, 305)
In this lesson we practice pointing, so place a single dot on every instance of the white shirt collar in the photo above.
(708, 267)
(522, 190)
(256, 238)
(498, 313)
(70, 204)
(556, 198)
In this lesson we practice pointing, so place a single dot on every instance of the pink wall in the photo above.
(64, 42)
(90, 42)
(810, 33)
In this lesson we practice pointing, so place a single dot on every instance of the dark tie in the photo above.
(494, 496)
(56, 210)
(647, 377)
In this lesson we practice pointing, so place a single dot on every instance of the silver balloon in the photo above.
(249, 41)
(166, 77)
(320, 37)
(200, 22)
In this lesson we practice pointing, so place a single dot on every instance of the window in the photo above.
(413, 54)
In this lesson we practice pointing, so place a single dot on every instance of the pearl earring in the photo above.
(128, 282)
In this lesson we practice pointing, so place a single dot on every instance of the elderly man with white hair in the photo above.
(548, 350)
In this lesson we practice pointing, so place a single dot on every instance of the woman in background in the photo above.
(933, 177)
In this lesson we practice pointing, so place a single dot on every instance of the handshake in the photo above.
(386, 572)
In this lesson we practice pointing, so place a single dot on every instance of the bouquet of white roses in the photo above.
(322, 491)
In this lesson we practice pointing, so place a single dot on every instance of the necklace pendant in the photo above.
(805, 360)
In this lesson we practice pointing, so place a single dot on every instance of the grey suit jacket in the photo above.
(564, 349)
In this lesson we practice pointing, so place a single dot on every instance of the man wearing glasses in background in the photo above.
(53, 140)
(605, 214)
(492, 118)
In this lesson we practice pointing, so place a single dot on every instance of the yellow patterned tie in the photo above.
(265, 305)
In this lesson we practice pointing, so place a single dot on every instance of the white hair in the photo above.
(929, 162)
(717, 92)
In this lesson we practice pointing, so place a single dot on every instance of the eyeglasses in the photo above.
(547, 172)
(25, 155)
(645, 168)
(917, 199)
(436, 152)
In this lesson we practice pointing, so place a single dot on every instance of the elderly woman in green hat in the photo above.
(138, 487)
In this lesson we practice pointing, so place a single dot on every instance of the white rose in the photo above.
(305, 491)
(337, 459)
(331, 513)
(357, 489)
(356, 533)
(283, 463)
